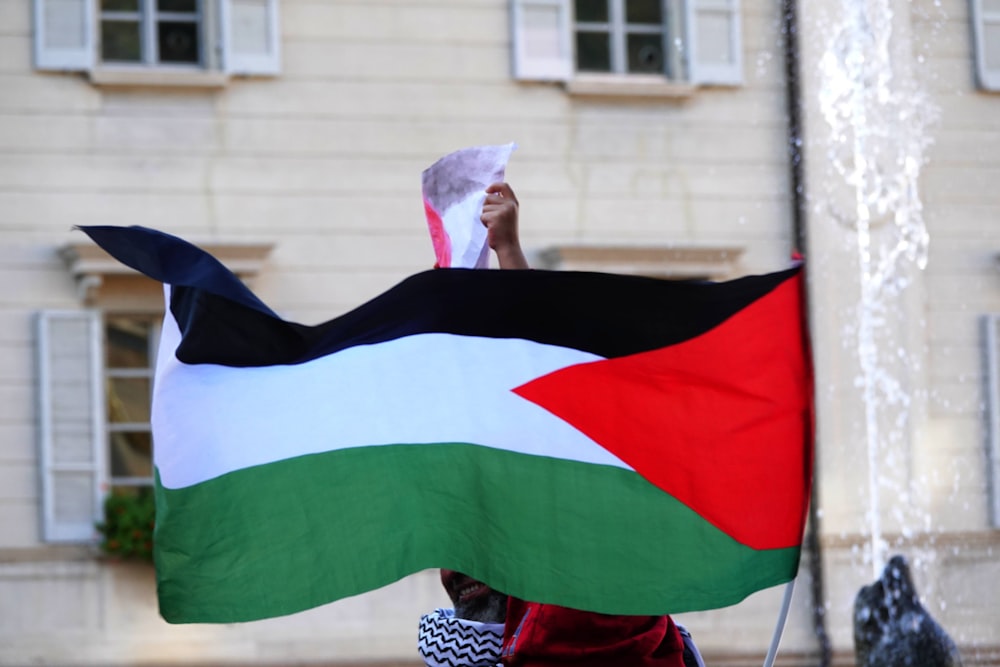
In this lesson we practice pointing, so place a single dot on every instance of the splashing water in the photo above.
(878, 118)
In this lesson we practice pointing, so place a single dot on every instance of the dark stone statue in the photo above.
(892, 628)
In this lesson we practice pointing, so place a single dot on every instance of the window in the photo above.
(151, 32)
(95, 382)
(622, 36)
(95, 388)
(684, 41)
(130, 354)
(986, 27)
(98, 36)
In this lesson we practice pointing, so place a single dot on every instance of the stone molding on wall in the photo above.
(103, 280)
(675, 262)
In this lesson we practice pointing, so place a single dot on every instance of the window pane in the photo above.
(127, 342)
(645, 54)
(177, 5)
(593, 52)
(178, 42)
(120, 5)
(131, 454)
(592, 11)
(643, 11)
(120, 41)
(128, 400)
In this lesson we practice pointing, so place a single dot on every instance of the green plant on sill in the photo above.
(127, 529)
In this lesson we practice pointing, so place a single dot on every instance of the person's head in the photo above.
(473, 600)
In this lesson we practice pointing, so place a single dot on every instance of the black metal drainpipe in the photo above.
(794, 111)
(793, 101)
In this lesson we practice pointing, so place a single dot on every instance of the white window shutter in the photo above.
(986, 27)
(251, 40)
(64, 34)
(714, 43)
(541, 34)
(71, 424)
(991, 363)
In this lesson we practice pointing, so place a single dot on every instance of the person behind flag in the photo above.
(540, 635)
(471, 633)
(468, 635)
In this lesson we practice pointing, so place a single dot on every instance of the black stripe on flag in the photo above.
(605, 314)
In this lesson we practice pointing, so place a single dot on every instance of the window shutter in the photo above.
(991, 372)
(251, 42)
(71, 424)
(714, 44)
(64, 34)
(986, 26)
(540, 40)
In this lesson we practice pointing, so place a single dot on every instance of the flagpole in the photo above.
(782, 617)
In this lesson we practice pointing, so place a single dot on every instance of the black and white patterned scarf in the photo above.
(447, 641)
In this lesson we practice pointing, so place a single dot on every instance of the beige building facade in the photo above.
(288, 136)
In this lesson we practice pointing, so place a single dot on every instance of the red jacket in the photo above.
(542, 635)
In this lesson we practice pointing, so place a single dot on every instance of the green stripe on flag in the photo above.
(283, 537)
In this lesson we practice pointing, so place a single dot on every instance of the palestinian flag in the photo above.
(609, 443)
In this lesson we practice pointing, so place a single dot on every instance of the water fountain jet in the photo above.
(878, 117)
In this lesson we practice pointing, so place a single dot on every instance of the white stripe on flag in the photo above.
(209, 420)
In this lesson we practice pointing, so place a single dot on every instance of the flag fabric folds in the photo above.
(610, 443)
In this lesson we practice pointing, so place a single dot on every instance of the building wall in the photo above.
(324, 161)
(963, 206)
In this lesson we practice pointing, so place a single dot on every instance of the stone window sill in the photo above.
(617, 86)
(141, 77)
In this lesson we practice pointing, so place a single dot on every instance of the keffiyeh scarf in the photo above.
(447, 641)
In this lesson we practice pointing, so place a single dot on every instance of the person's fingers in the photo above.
(498, 206)
(502, 189)
(497, 198)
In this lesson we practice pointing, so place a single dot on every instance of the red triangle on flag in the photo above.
(722, 422)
